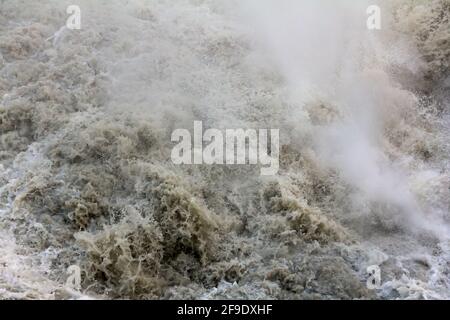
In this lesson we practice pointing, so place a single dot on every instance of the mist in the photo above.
(362, 173)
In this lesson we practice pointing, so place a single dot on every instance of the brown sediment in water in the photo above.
(86, 177)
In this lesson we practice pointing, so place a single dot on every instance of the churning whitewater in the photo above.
(86, 178)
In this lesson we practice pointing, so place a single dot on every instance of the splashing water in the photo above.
(86, 178)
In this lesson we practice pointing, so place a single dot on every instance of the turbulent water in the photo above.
(86, 177)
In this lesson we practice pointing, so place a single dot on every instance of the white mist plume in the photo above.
(85, 127)
(325, 52)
